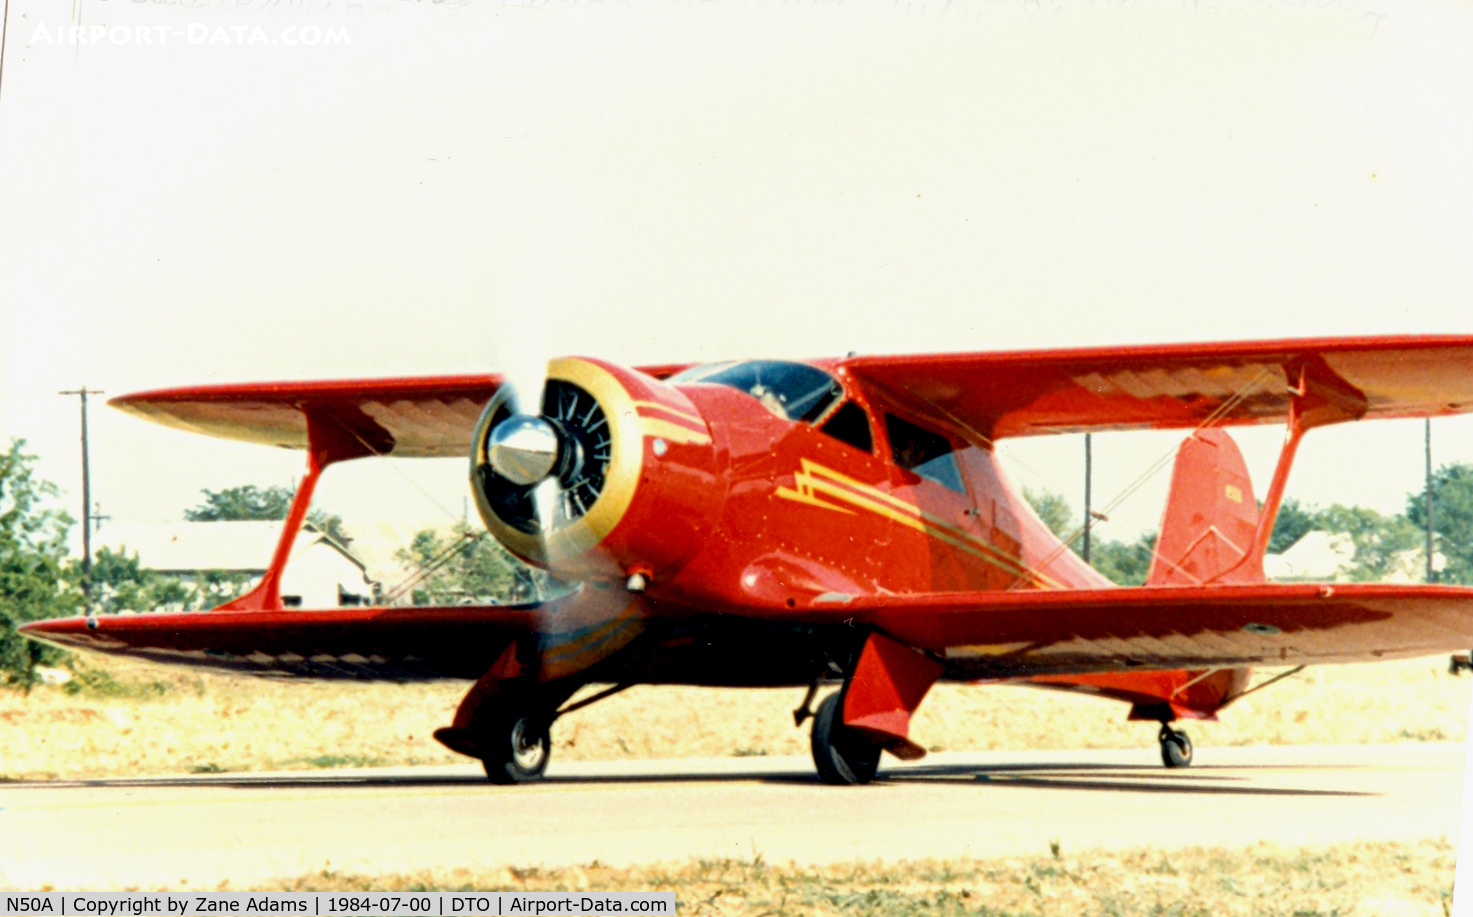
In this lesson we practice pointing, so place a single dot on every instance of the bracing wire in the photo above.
(429, 568)
(1155, 468)
(423, 571)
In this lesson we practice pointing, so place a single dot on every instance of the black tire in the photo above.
(1176, 748)
(515, 747)
(843, 756)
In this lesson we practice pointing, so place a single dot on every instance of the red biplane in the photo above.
(843, 521)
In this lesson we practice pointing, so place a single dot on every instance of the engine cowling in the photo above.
(615, 475)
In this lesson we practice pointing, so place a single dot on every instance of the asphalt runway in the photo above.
(197, 832)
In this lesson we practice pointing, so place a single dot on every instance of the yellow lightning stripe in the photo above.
(804, 494)
(583, 650)
(812, 485)
(672, 432)
(673, 412)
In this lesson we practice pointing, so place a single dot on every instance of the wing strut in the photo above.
(329, 439)
(1277, 678)
(1317, 397)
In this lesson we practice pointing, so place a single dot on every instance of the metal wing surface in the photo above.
(1017, 634)
(995, 394)
(431, 416)
(420, 417)
(1180, 385)
(402, 643)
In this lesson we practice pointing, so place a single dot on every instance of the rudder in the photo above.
(1210, 519)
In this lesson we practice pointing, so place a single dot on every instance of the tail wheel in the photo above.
(1176, 747)
(515, 747)
(842, 755)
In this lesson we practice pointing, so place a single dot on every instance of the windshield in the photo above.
(794, 391)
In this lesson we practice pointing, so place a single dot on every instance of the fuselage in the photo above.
(759, 486)
(809, 516)
(743, 497)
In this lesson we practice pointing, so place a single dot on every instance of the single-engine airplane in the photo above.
(837, 521)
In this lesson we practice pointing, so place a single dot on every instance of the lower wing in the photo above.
(1019, 634)
(397, 643)
(978, 634)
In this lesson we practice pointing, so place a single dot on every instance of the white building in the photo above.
(1317, 556)
(1328, 557)
(321, 573)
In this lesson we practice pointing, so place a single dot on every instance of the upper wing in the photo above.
(1014, 634)
(432, 416)
(410, 417)
(1180, 385)
(995, 394)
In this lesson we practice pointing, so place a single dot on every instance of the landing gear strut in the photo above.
(843, 756)
(512, 733)
(1176, 747)
(804, 711)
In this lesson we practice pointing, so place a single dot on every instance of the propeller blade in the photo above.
(525, 350)
(546, 497)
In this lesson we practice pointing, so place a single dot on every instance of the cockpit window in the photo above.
(928, 454)
(849, 424)
(793, 391)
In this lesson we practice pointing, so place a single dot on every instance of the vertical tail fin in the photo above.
(1210, 519)
(1206, 537)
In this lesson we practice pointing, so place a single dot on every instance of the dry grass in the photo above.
(140, 719)
(1377, 879)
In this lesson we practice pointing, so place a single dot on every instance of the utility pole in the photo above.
(4, 34)
(1087, 516)
(87, 513)
(1428, 497)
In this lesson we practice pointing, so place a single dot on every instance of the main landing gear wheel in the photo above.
(842, 755)
(1176, 747)
(517, 745)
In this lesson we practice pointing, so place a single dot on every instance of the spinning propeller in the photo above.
(542, 448)
(541, 471)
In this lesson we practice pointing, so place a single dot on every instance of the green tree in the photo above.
(470, 567)
(1452, 520)
(1122, 563)
(1381, 542)
(211, 588)
(119, 583)
(247, 502)
(1378, 539)
(33, 556)
(251, 503)
(1053, 509)
(1293, 522)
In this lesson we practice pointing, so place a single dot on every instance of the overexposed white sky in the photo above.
(470, 182)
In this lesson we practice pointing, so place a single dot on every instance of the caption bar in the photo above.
(335, 904)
